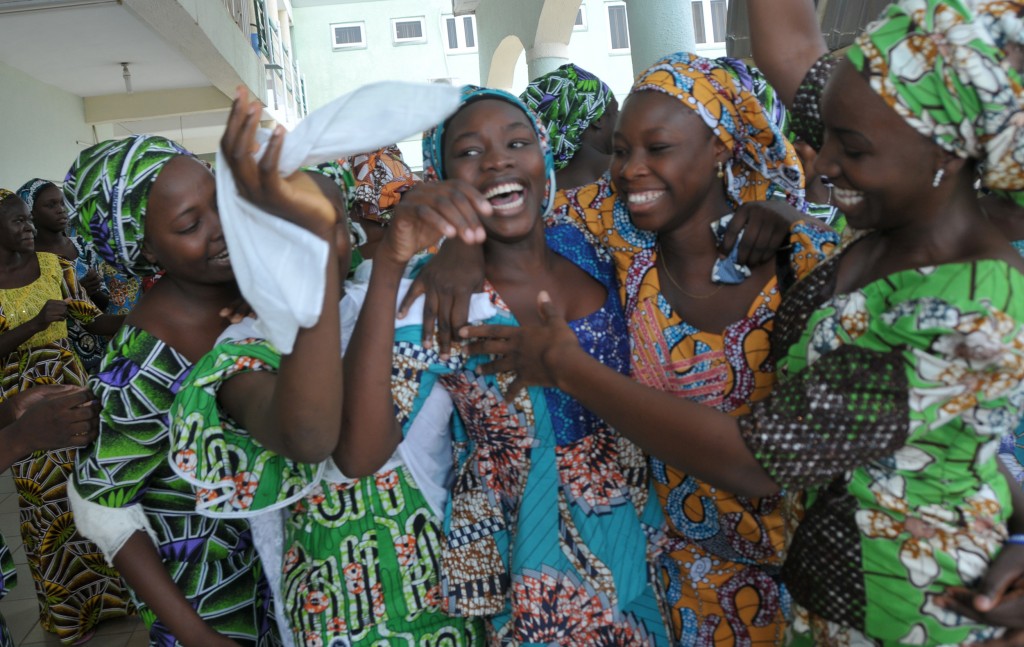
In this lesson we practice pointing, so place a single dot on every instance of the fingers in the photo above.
(549, 312)
(517, 385)
(733, 229)
(269, 163)
(429, 317)
(487, 331)
(415, 290)
(1008, 568)
(497, 347)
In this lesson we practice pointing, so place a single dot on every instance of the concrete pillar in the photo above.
(546, 57)
(657, 28)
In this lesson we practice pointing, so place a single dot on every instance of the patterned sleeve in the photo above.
(80, 307)
(810, 245)
(134, 385)
(806, 111)
(922, 373)
(232, 473)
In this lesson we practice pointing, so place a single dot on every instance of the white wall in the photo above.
(43, 128)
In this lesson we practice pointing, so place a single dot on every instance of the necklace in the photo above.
(668, 274)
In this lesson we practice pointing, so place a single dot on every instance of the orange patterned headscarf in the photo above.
(762, 157)
(381, 178)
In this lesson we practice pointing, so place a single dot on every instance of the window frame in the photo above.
(709, 27)
(395, 40)
(611, 38)
(460, 34)
(362, 33)
(582, 13)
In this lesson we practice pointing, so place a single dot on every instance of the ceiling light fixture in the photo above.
(127, 75)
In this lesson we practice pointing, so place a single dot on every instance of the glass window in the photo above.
(459, 34)
(580, 24)
(408, 30)
(450, 28)
(348, 35)
(719, 18)
(618, 26)
(469, 28)
(699, 34)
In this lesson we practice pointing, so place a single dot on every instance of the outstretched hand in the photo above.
(295, 198)
(532, 352)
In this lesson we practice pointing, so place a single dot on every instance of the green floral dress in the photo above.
(361, 556)
(891, 402)
(212, 561)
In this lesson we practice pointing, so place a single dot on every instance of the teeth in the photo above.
(500, 189)
(222, 256)
(510, 206)
(848, 196)
(644, 197)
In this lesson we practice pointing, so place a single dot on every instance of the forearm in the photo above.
(106, 325)
(305, 408)
(699, 440)
(10, 340)
(370, 433)
(140, 565)
(785, 41)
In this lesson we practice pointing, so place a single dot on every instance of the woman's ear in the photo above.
(722, 152)
(147, 252)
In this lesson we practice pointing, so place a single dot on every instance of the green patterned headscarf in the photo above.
(937, 64)
(106, 192)
(567, 101)
(5, 193)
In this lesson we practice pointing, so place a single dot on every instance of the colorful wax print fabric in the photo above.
(552, 535)
(74, 586)
(889, 409)
(212, 561)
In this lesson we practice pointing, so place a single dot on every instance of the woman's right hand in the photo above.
(295, 198)
(431, 210)
(52, 311)
(55, 417)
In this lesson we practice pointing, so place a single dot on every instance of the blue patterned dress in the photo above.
(552, 531)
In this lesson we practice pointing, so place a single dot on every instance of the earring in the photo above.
(937, 180)
(721, 171)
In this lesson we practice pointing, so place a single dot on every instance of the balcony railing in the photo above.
(241, 13)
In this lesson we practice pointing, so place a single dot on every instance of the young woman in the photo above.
(360, 556)
(38, 292)
(899, 359)
(144, 203)
(46, 204)
(550, 510)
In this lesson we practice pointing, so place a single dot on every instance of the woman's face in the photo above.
(48, 210)
(881, 167)
(491, 144)
(183, 233)
(16, 231)
(664, 161)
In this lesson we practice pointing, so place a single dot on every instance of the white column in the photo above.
(658, 28)
(546, 57)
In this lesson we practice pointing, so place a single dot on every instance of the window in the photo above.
(709, 12)
(618, 26)
(459, 33)
(581, 19)
(408, 30)
(348, 35)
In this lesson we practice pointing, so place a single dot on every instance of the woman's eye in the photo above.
(519, 143)
(657, 148)
(190, 228)
(469, 152)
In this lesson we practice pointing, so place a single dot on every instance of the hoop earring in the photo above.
(937, 180)
(721, 171)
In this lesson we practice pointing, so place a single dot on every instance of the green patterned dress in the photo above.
(891, 402)
(8, 578)
(361, 557)
(212, 561)
(75, 588)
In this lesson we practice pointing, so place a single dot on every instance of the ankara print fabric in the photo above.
(1011, 447)
(212, 561)
(938, 64)
(74, 586)
(722, 570)
(361, 557)
(8, 579)
(552, 535)
(896, 395)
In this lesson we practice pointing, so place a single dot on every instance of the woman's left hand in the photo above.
(533, 352)
(766, 224)
(997, 600)
(296, 198)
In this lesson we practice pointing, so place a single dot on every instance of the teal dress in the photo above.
(553, 533)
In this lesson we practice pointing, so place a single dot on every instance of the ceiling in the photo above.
(79, 49)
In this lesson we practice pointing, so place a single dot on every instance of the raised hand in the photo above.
(295, 198)
(998, 599)
(533, 352)
(52, 311)
(427, 212)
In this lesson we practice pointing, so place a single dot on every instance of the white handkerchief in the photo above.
(280, 266)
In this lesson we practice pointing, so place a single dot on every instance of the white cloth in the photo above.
(280, 266)
(108, 528)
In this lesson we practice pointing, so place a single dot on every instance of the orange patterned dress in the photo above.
(722, 572)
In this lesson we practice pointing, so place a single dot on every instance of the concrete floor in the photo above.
(20, 608)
